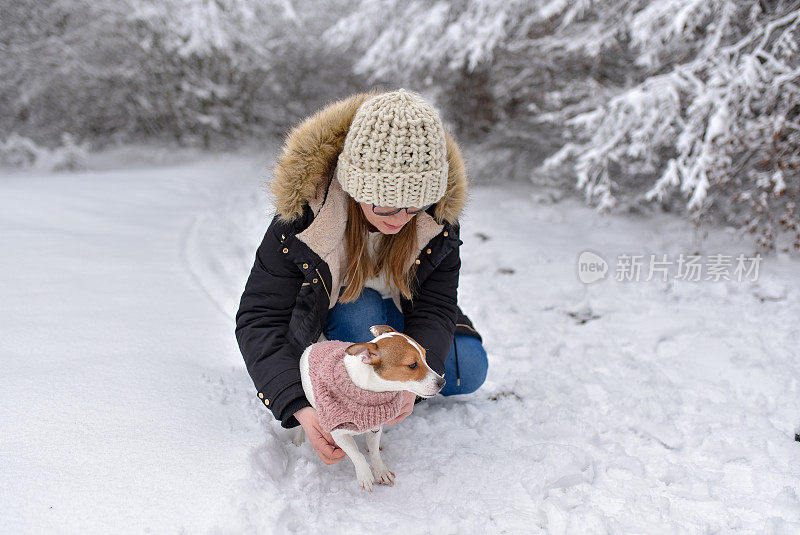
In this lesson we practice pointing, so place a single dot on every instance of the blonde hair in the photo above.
(394, 253)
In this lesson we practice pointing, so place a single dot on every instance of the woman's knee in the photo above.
(470, 364)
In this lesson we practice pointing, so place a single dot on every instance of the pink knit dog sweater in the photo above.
(340, 403)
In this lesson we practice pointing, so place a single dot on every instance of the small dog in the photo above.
(356, 388)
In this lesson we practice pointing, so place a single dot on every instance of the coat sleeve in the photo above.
(262, 327)
(430, 318)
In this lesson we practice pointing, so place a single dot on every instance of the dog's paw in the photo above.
(385, 476)
(298, 436)
(366, 480)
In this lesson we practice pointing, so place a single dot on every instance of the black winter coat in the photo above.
(287, 296)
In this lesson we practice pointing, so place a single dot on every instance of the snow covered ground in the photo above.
(613, 407)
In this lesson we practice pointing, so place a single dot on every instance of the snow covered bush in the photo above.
(19, 151)
(70, 156)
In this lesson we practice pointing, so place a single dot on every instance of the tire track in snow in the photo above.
(217, 247)
(186, 241)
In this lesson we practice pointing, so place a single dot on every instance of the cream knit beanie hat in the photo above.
(395, 153)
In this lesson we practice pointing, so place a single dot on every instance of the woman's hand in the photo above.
(408, 407)
(321, 441)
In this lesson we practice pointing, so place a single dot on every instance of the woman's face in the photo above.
(387, 224)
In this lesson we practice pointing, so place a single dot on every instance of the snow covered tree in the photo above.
(495, 66)
(721, 130)
(199, 71)
(685, 104)
(646, 100)
(57, 71)
(227, 67)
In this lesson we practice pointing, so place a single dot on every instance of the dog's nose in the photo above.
(440, 383)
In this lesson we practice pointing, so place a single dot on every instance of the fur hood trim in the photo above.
(311, 150)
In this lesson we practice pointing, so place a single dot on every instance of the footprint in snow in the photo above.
(505, 394)
(583, 315)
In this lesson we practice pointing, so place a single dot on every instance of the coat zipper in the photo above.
(458, 374)
(322, 280)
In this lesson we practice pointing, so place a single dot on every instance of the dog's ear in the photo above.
(378, 330)
(368, 351)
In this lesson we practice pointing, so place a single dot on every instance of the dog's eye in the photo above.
(413, 366)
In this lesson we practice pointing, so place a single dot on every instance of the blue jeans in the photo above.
(350, 322)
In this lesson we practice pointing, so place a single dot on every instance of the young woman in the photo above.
(367, 192)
